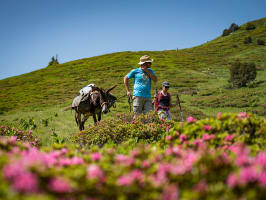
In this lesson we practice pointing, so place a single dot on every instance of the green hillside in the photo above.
(199, 75)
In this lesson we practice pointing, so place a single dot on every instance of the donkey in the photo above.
(97, 102)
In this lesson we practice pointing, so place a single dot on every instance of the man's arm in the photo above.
(126, 85)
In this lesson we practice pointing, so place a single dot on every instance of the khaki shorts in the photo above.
(141, 105)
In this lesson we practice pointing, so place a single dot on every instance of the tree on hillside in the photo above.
(54, 61)
(233, 27)
(242, 73)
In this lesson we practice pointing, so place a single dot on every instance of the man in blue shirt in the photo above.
(142, 86)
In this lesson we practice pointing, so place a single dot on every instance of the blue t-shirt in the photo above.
(142, 82)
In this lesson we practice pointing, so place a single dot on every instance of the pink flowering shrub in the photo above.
(224, 130)
(141, 173)
(147, 127)
(19, 135)
(207, 159)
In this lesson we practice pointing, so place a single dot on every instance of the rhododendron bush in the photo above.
(215, 158)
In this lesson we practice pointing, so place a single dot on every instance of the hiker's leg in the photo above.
(138, 105)
(169, 115)
(161, 114)
(147, 105)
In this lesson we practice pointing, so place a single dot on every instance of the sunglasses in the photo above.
(166, 87)
(148, 63)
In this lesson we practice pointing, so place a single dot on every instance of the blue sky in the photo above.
(32, 31)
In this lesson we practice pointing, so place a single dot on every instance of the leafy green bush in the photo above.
(250, 26)
(200, 159)
(19, 135)
(248, 40)
(226, 32)
(260, 42)
(221, 131)
(233, 27)
(242, 73)
(146, 127)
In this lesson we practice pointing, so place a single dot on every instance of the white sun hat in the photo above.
(145, 59)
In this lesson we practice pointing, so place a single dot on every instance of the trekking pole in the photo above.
(178, 102)
(129, 103)
(155, 99)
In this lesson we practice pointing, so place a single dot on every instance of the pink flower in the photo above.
(262, 179)
(248, 174)
(201, 186)
(125, 180)
(124, 160)
(168, 137)
(232, 180)
(170, 192)
(207, 127)
(145, 164)
(219, 115)
(20, 132)
(13, 139)
(242, 115)
(26, 182)
(134, 153)
(13, 170)
(183, 137)
(76, 161)
(229, 137)
(190, 119)
(167, 128)
(60, 185)
(96, 156)
(197, 142)
(243, 160)
(207, 137)
(95, 172)
(261, 159)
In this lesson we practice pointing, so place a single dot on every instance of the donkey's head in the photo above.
(106, 99)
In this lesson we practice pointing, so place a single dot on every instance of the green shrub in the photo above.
(245, 128)
(233, 27)
(242, 73)
(146, 127)
(250, 26)
(248, 40)
(226, 32)
(260, 42)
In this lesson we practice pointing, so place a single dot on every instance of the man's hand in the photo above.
(129, 93)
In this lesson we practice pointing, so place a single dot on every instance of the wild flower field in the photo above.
(222, 157)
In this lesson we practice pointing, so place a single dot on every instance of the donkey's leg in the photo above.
(85, 117)
(78, 120)
(94, 118)
(99, 114)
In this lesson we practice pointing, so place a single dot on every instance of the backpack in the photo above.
(158, 99)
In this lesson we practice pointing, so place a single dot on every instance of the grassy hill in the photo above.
(199, 75)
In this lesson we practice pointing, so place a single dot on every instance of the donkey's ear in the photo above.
(109, 90)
